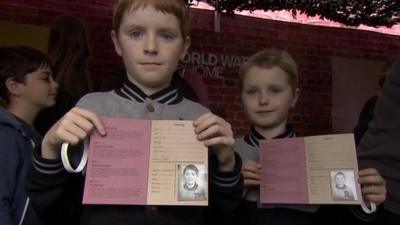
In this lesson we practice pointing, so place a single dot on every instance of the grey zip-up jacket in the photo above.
(57, 195)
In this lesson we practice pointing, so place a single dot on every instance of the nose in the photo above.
(263, 98)
(151, 45)
(53, 83)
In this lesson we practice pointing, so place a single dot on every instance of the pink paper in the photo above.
(284, 173)
(117, 169)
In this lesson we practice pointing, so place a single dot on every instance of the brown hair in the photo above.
(177, 8)
(269, 58)
(69, 51)
(16, 63)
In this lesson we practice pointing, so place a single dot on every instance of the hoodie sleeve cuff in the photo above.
(227, 179)
(46, 166)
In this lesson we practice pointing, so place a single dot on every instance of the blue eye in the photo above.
(167, 35)
(276, 91)
(251, 92)
(136, 34)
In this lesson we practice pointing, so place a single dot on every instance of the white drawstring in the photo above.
(24, 212)
(367, 209)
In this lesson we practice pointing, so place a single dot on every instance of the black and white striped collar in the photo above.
(253, 138)
(169, 95)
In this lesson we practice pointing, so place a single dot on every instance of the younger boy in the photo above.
(151, 36)
(269, 89)
(27, 86)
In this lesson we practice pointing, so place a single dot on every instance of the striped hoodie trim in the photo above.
(47, 166)
(169, 95)
(229, 178)
(254, 137)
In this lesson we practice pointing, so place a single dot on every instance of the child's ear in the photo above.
(14, 87)
(296, 95)
(186, 46)
(114, 38)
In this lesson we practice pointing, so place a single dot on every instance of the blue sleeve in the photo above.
(9, 156)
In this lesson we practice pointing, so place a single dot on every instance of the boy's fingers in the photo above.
(201, 118)
(83, 123)
(76, 125)
(251, 169)
(250, 175)
(210, 120)
(254, 167)
(219, 141)
(368, 172)
(251, 182)
(251, 163)
(213, 127)
(93, 118)
(371, 180)
(208, 132)
(378, 199)
(65, 136)
(77, 132)
(372, 189)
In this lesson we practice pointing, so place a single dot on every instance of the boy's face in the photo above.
(190, 177)
(39, 89)
(267, 96)
(339, 179)
(151, 44)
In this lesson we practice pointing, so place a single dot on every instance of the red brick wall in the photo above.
(311, 46)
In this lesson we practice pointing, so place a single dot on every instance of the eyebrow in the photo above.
(141, 27)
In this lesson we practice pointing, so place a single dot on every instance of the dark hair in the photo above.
(69, 51)
(340, 173)
(191, 167)
(16, 63)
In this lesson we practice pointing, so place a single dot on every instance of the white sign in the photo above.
(212, 65)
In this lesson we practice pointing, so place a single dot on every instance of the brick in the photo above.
(312, 47)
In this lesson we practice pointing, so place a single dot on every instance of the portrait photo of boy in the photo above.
(192, 182)
(343, 185)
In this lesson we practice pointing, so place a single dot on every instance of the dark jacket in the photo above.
(17, 140)
(366, 115)
(380, 146)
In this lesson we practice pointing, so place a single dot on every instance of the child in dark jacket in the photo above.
(27, 86)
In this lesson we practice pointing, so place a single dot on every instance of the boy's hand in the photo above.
(251, 172)
(373, 185)
(216, 133)
(73, 127)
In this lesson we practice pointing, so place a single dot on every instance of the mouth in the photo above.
(264, 112)
(150, 66)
